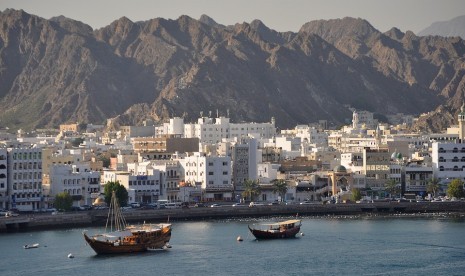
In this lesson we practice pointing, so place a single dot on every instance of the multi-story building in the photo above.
(3, 178)
(171, 177)
(211, 131)
(244, 158)
(376, 167)
(77, 180)
(363, 118)
(416, 178)
(141, 181)
(212, 173)
(25, 178)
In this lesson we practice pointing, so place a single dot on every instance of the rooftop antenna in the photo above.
(227, 112)
(217, 113)
(201, 114)
(209, 114)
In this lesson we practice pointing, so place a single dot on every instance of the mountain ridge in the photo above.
(58, 70)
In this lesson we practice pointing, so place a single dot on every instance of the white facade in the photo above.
(25, 178)
(213, 173)
(76, 180)
(3, 179)
(141, 182)
(211, 131)
(448, 160)
(171, 177)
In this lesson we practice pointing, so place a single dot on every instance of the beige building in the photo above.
(69, 128)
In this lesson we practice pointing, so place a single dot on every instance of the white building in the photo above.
(76, 180)
(3, 179)
(211, 131)
(448, 160)
(141, 182)
(171, 178)
(212, 173)
(25, 178)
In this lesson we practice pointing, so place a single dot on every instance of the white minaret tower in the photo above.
(462, 124)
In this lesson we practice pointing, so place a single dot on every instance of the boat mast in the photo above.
(115, 216)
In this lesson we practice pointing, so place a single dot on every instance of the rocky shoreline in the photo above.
(29, 222)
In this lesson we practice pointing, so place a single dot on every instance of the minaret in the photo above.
(462, 124)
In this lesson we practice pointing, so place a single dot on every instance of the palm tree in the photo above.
(391, 187)
(280, 187)
(251, 189)
(433, 186)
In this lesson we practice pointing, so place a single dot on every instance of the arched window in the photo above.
(441, 168)
(455, 150)
(441, 159)
(456, 168)
(456, 159)
(2, 167)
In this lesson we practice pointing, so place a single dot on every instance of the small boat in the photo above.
(29, 246)
(122, 238)
(278, 230)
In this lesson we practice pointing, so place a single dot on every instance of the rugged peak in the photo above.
(258, 25)
(395, 34)
(335, 29)
(15, 13)
(72, 26)
(205, 19)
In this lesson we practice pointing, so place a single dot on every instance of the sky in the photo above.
(280, 15)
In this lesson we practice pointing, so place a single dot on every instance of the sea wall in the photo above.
(26, 222)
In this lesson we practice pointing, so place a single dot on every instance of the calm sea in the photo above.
(329, 246)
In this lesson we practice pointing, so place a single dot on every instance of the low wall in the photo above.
(98, 217)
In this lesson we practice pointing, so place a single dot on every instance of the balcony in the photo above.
(219, 188)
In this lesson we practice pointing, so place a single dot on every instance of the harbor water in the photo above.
(328, 246)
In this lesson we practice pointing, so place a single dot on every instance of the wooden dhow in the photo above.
(122, 238)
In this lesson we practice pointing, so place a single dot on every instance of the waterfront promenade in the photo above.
(26, 222)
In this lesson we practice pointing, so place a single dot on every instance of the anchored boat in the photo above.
(278, 230)
(122, 238)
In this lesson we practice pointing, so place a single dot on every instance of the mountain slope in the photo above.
(453, 27)
(60, 70)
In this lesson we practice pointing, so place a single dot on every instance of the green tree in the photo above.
(356, 194)
(251, 189)
(77, 141)
(433, 186)
(63, 201)
(120, 192)
(280, 187)
(391, 187)
(105, 160)
(455, 188)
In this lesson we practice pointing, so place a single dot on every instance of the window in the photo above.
(210, 173)
(225, 173)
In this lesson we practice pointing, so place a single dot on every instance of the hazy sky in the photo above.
(280, 15)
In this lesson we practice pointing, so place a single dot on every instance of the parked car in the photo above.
(199, 205)
(215, 205)
(11, 214)
(253, 204)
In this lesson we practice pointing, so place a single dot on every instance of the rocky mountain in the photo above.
(60, 70)
(453, 27)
